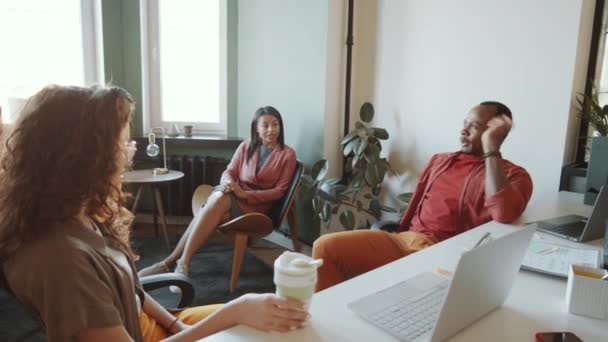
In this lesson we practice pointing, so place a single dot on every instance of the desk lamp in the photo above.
(152, 150)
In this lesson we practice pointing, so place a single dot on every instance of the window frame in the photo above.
(151, 73)
(92, 41)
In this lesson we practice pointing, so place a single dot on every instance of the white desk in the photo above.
(536, 302)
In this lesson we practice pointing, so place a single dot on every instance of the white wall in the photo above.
(282, 52)
(425, 63)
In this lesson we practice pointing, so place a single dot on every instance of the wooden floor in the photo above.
(264, 250)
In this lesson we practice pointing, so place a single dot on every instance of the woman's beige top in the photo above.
(70, 281)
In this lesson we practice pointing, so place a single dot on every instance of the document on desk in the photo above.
(551, 258)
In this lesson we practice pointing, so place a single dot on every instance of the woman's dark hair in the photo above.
(61, 157)
(255, 141)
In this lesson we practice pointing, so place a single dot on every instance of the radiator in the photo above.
(177, 196)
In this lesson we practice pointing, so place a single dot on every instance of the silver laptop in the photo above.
(430, 307)
(579, 228)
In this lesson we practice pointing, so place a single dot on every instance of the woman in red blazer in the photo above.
(258, 176)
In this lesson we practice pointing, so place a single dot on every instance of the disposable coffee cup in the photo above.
(295, 276)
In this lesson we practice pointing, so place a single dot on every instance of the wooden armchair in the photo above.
(255, 224)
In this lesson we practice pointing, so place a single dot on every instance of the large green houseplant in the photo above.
(590, 109)
(364, 173)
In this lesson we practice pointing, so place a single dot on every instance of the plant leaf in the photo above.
(382, 166)
(372, 175)
(355, 160)
(319, 170)
(326, 212)
(348, 148)
(374, 207)
(367, 112)
(316, 204)
(380, 133)
(350, 136)
(339, 188)
(359, 125)
(361, 148)
(372, 153)
(327, 192)
(332, 181)
(405, 197)
(352, 146)
(347, 219)
(388, 209)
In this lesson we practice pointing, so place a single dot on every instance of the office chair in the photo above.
(158, 281)
(255, 224)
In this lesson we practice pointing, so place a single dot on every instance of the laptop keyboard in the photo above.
(573, 230)
(414, 316)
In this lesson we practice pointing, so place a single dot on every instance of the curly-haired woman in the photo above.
(64, 236)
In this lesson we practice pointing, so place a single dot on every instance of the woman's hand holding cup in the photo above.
(270, 312)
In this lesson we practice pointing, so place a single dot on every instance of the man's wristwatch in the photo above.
(491, 154)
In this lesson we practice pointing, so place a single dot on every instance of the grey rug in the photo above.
(211, 268)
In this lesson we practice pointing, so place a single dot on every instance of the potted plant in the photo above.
(590, 109)
(364, 173)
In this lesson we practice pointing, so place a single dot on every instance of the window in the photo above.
(44, 42)
(184, 68)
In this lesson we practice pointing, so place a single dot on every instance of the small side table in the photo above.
(146, 177)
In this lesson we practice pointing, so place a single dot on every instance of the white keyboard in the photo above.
(412, 317)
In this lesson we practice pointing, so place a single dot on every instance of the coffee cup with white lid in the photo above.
(295, 276)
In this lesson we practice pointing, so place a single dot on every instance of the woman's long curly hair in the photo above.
(64, 156)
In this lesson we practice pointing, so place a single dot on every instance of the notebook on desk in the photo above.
(429, 307)
(579, 228)
(550, 258)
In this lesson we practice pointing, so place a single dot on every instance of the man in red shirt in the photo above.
(456, 192)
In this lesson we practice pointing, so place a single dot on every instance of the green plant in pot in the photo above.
(364, 173)
(590, 109)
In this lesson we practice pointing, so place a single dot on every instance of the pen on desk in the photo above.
(483, 238)
(548, 251)
(443, 272)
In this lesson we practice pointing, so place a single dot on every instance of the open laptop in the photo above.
(579, 228)
(430, 307)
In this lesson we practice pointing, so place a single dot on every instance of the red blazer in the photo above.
(269, 184)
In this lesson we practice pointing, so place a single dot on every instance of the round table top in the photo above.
(147, 176)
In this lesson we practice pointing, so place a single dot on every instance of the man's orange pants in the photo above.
(349, 254)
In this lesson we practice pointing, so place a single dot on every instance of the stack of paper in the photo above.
(550, 258)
